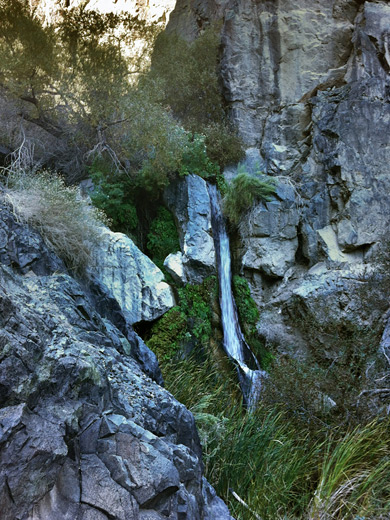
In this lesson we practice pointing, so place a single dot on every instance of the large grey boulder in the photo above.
(133, 279)
(269, 234)
(189, 201)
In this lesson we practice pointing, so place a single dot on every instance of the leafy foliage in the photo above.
(162, 237)
(196, 160)
(186, 76)
(188, 323)
(114, 198)
(244, 191)
(196, 301)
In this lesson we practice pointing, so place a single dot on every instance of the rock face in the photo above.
(133, 279)
(308, 85)
(269, 236)
(84, 432)
(189, 201)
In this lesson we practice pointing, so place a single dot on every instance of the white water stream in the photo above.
(233, 339)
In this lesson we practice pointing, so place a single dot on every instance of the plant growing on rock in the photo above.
(244, 191)
(162, 237)
(67, 223)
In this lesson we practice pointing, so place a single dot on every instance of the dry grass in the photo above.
(67, 223)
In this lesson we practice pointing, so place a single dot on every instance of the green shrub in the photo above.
(186, 76)
(69, 226)
(224, 146)
(190, 323)
(113, 195)
(196, 301)
(162, 238)
(196, 160)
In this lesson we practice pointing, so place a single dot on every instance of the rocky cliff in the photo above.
(308, 86)
(86, 431)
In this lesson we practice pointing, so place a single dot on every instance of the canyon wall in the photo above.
(307, 84)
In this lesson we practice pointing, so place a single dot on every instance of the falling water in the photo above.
(249, 372)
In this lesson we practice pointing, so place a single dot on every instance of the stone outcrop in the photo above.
(189, 201)
(84, 432)
(132, 278)
(269, 236)
(308, 85)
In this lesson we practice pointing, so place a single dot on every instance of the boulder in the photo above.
(174, 264)
(189, 201)
(132, 278)
(269, 234)
(23, 248)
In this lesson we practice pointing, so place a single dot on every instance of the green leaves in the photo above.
(162, 237)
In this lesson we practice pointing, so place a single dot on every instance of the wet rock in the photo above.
(189, 201)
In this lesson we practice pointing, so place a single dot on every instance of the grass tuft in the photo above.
(67, 223)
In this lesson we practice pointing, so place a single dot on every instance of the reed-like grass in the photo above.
(279, 468)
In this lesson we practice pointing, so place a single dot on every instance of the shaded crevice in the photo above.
(380, 54)
(164, 495)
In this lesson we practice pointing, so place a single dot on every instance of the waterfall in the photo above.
(235, 346)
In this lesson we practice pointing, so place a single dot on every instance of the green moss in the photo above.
(167, 334)
(189, 322)
(247, 310)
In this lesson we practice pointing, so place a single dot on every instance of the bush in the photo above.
(196, 301)
(224, 146)
(196, 160)
(69, 226)
(186, 76)
(243, 192)
(113, 195)
(188, 324)
(162, 238)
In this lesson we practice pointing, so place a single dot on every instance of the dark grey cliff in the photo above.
(308, 85)
(85, 433)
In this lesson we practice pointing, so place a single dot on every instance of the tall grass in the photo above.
(244, 191)
(354, 479)
(279, 468)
